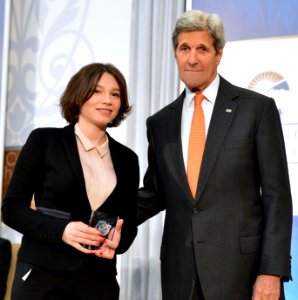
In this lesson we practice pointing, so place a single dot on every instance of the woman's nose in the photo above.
(107, 99)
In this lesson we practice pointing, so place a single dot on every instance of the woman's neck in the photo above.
(95, 134)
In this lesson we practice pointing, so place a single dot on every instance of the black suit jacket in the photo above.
(49, 168)
(239, 224)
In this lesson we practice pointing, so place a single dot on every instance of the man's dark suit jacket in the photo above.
(49, 167)
(239, 224)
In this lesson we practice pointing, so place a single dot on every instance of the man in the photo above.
(230, 239)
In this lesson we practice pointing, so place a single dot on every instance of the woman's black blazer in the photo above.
(49, 169)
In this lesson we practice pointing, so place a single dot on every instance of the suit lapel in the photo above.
(222, 116)
(117, 158)
(72, 155)
(173, 152)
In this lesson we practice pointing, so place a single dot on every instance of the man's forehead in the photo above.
(198, 36)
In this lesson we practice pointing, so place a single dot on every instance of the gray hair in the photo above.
(196, 20)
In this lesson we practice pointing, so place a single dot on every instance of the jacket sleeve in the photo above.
(16, 211)
(150, 201)
(276, 195)
(130, 169)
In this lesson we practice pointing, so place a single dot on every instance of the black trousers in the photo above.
(34, 282)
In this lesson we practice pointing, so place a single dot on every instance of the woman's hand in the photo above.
(107, 250)
(77, 234)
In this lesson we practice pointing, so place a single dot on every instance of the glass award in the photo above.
(105, 223)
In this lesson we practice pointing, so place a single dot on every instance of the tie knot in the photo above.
(199, 97)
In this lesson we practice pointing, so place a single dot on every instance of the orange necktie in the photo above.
(196, 144)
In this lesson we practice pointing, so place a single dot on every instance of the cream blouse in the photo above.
(98, 169)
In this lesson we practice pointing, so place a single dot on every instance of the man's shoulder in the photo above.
(233, 90)
(169, 108)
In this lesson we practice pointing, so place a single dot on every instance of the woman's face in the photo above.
(103, 106)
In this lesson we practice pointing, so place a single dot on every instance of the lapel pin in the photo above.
(228, 110)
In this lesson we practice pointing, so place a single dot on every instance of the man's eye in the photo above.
(183, 48)
(203, 49)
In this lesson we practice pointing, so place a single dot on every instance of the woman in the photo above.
(73, 172)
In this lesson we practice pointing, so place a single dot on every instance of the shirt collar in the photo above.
(102, 149)
(210, 92)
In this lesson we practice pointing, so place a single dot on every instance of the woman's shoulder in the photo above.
(117, 146)
(46, 135)
(51, 131)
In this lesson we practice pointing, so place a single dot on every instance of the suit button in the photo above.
(195, 211)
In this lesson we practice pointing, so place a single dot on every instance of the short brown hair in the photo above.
(82, 86)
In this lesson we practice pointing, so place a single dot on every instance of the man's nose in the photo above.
(193, 57)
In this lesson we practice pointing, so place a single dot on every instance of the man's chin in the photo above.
(192, 86)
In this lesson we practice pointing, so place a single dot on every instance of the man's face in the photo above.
(197, 59)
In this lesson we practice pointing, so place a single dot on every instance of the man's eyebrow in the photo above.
(183, 44)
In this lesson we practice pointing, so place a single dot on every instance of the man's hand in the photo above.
(107, 250)
(266, 287)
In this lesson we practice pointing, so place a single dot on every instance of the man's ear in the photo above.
(219, 56)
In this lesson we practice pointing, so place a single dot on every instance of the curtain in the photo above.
(153, 82)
